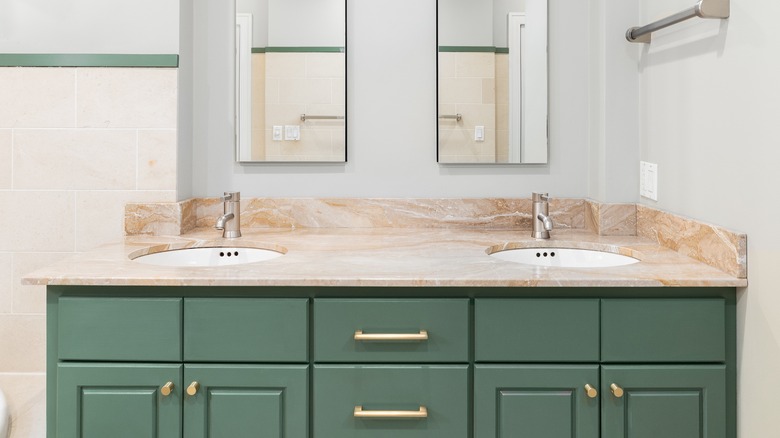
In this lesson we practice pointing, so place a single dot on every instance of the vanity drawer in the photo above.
(246, 330)
(126, 329)
(430, 401)
(536, 330)
(391, 330)
(663, 330)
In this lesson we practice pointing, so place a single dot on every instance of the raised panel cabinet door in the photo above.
(528, 401)
(246, 401)
(669, 401)
(118, 400)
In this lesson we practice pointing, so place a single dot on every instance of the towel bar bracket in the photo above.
(704, 9)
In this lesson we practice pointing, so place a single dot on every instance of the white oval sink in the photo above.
(564, 257)
(205, 257)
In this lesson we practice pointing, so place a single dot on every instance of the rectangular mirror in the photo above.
(492, 81)
(291, 81)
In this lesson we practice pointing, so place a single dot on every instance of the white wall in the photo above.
(259, 11)
(304, 23)
(500, 10)
(710, 108)
(391, 105)
(89, 26)
(465, 23)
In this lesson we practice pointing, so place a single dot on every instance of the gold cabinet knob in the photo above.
(166, 389)
(591, 391)
(193, 388)
(616, 390)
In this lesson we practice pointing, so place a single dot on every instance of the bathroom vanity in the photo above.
(391, 362)
(379, 333)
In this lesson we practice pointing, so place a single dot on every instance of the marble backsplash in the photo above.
(715, 246)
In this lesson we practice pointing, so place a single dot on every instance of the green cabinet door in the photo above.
(243, 401)
(550, 401)
(669, 401)
(118, 401)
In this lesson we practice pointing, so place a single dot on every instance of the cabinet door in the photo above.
(518, 401)
(243, 401)
(670, 401)
(118, 400)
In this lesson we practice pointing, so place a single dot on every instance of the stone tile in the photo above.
(157, 160)
(6, 159)
(26, 396)
(6, 283)
(100, 215)
(75, 159)
(127, 98)
(23, 343)
(460, 90)
(42, 221)
(31, 299)
(476, 65)
(448, 64)
(285, 65)
(37, 97)
(325, 65)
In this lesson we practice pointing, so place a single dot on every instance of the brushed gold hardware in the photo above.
(193, 388)
(616, 390)
(166, 389)
(422, 336)
(591, 391)
(420, 413)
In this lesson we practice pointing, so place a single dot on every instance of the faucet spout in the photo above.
(546, 221)
(222, 220)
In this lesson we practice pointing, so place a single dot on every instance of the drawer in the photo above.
(245, 330)
(663, 330)
(537, 330)
(434, 330)
(126, 329)
(431, 401)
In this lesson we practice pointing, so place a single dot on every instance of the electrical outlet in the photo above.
(277, 133)
(648, 180)
(479, 133)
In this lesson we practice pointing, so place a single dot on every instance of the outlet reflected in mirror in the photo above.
(291, 81)
(492, 81)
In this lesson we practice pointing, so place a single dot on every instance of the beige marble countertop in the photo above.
(384, 257)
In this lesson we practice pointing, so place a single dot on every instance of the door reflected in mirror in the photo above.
(291, 81)
(492, 81)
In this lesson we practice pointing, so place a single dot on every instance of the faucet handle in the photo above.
(231, 196)
(540, 197)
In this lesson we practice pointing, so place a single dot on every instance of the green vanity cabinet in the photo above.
(382, 362)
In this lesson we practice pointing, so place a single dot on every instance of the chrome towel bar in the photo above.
(304, 117)
(457, 117)
(703, 9)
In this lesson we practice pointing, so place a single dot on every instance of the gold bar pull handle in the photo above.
(420, 413)
(166, 389)
(616, 390)
(421, 336)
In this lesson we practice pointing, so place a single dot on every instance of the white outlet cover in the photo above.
(648, 180)
(277, 134)
(292, 132)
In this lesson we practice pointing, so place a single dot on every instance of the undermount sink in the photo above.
(208, 256)
(562, 257)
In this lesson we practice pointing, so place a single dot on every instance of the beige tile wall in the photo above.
(305, 83)
(467, 86)
(258, 106)
(75, 146)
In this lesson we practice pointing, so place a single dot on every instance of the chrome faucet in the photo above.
(230, 222)
(541, 216)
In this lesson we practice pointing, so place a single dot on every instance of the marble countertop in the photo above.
(384, 257)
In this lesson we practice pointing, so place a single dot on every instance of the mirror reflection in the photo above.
(290, 80)
(492, 81)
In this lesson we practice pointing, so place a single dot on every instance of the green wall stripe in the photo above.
(258, 49)
(502, 49)
(304, 49)
(86, 60)
(488, 49)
